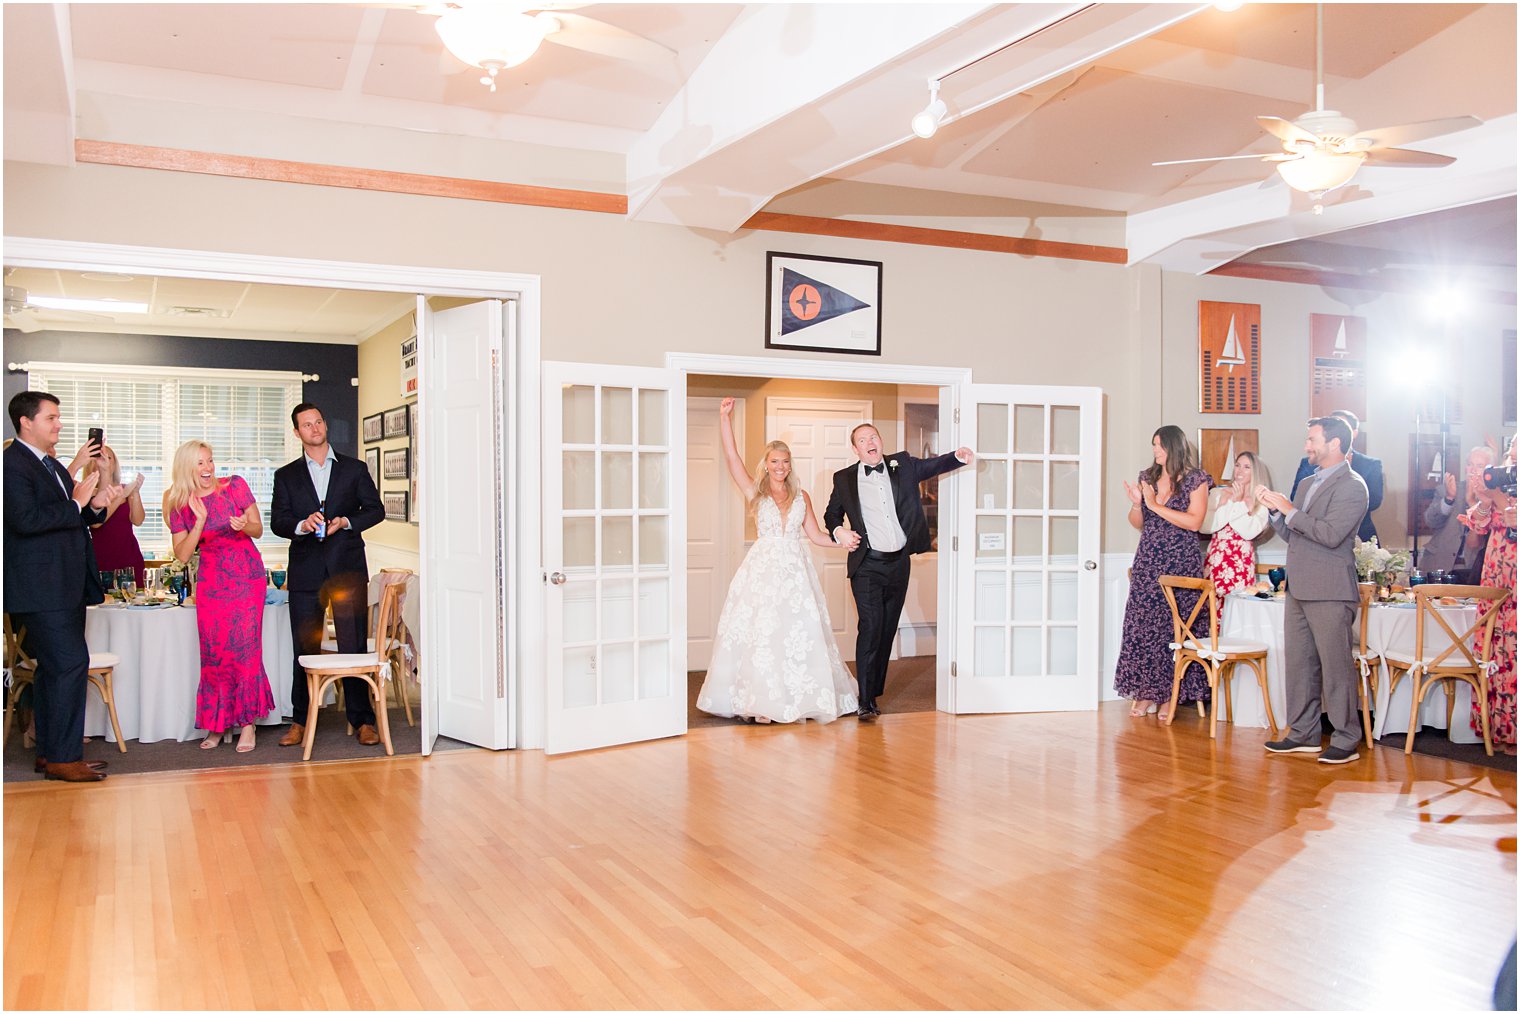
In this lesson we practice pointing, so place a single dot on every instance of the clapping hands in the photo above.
(1274, 500)
(1133, 492)
(198, 509)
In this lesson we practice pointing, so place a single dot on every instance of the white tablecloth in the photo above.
(160, 669)
(1390, 628)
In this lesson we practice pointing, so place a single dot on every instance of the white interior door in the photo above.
(818, 432)
(465, 469)
(614, 554)
(1027, 524)
(714, 525)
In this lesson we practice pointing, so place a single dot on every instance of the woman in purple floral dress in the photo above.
(1167, 505)
(221, 519)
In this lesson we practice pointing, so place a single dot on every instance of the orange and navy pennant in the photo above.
(806, 301)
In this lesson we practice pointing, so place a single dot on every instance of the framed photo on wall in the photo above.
(397, 422)
(374, 428)
(397, 463)
(396, 503)
(372, 462)
(822, 304)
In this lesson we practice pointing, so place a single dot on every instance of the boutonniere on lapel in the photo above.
(892, 464)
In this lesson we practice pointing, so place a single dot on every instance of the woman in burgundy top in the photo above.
(115, 543)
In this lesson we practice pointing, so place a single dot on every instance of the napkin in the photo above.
(276, 597)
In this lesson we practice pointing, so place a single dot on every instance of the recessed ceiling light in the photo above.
(89, 305)
(106, 276)
(199, 311)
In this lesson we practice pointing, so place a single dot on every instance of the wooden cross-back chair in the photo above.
(20, 670)
(1367, 663)
(1218, 656)
(374, 667)
(330, 641)
(1428, 666)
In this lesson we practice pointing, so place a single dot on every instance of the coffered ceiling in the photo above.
(1055, 112)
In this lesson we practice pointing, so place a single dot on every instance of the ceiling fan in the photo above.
(21, 313)
(494, 36)
(1322, 149)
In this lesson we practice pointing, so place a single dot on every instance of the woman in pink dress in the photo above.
(1494, 513)
(1236, 520)
(219, 518)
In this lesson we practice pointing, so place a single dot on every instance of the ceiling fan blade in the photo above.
(25, 321)
(1285, 130)
(580, 32)
(1384, 137)
(1407, 158)
(1221, 158)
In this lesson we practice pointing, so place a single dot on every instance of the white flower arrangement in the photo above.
(1374, 562)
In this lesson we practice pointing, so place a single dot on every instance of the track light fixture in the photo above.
(926, 122)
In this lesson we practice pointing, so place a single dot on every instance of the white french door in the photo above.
(1027, 526)
(468, 676)
(614, 465)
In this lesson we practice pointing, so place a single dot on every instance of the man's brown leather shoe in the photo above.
(293, 735)
(368, 736)
(42, 764)
(76, 771)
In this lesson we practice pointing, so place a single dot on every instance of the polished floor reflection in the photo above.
(1066, 860)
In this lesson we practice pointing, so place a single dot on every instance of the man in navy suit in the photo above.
(50, 578)
(1368, 467)
(881, 499)
(322, 502)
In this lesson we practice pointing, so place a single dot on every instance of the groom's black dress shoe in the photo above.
(875, 710)
(866, 713)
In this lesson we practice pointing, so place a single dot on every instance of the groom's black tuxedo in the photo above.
(878, 580)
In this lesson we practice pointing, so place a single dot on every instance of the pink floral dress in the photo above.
(1499, 572)
(229, 612)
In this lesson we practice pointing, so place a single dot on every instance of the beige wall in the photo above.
(616, 291)
(380, 389)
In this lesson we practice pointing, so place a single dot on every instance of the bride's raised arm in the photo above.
(810, 525)
(736, 470)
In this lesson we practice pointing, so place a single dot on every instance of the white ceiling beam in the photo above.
(778, 103)
(39, 84)
(1199, 235)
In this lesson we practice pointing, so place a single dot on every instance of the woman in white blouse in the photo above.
(1236, 519)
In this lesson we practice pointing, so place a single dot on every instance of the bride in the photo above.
(774, 657)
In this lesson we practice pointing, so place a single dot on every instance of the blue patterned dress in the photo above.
(1144, 671)
(229, 612)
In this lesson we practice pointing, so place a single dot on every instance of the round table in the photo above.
(1389, 628)
(160, 669)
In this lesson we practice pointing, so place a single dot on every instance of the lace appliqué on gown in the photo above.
(774, 654)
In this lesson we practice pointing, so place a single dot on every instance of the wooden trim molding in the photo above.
(1387, 281)
(139, 156)
(773, 222)
(277, 170)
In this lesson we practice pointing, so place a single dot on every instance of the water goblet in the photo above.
(1277, 575)
(278, 577)
(1416, 579)
(107, 580)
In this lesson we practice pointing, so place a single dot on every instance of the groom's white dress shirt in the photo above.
(879, 509)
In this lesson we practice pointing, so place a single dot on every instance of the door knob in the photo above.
(1091, 565)
(556, 578)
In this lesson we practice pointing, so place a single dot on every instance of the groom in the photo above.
(880, 497)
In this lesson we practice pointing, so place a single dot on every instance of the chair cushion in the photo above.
(104, 660)
(339, 661)
(1405, 659)
(1228, 646)
(331, 644)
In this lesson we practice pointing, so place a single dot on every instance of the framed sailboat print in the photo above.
(1229, 358)
(1337, 364)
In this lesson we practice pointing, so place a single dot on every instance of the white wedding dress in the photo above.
(774, 654)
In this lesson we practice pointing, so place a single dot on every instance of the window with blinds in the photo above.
(147, 413)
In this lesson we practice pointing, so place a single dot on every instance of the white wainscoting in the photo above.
(382, 556)
(1116, 592)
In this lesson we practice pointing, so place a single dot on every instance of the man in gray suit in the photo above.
(1320, 527)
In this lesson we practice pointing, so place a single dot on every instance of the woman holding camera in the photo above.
(1494, 515)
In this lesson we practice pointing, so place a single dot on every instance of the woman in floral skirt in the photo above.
(1236, 519)
(1494, 514)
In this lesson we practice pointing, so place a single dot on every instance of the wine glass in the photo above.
(1277, 575)
(278, 577)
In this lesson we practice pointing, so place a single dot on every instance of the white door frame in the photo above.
(523, 541)
(948, 379)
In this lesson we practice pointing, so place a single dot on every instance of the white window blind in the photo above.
(147, 412)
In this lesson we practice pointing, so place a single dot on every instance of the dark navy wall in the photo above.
(337, 365)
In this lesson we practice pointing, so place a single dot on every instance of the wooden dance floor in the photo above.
(1049, 861)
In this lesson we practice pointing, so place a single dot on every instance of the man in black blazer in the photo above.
(1368, 467)
(322, 502)
(50, 578)
(880, 497)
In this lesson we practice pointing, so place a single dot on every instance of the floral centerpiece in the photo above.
(1379, 565)
(175, 576)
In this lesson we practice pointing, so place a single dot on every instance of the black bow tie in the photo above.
(876, 468)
